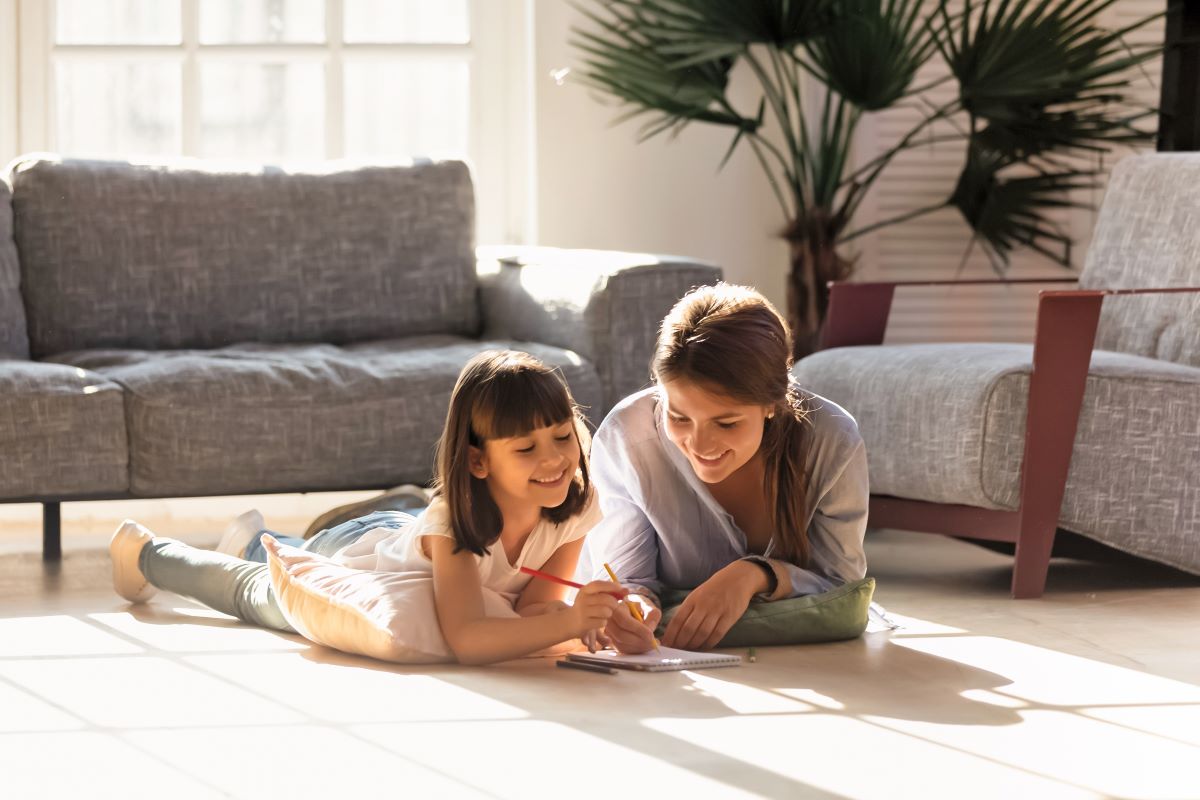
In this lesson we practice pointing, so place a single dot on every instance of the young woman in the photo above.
(724, 477)
(513, 490)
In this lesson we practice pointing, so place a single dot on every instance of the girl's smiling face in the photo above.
(533, 469)
(718, 435)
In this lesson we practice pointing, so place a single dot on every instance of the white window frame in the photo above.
(500, 145)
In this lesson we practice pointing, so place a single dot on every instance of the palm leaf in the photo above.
(895, 35)
(1007, 212)
(1041, 74)
(641, 66)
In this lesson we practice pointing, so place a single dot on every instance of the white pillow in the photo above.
(386, 615)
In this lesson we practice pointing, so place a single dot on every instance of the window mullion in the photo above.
(190, 91)
(335, 84)
(35, 118)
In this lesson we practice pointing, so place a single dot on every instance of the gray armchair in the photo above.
(1094, 429)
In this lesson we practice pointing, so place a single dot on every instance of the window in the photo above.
(282, 80)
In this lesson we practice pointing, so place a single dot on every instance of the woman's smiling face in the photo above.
(717, 434)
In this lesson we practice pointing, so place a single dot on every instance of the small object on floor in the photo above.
(751, 655)
(586, 667)
(241, 532)
(125, 549)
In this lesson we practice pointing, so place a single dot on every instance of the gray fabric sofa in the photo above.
(174, 330)
(946, 423)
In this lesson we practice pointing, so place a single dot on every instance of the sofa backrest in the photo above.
(183, 255)
(14, 342)
(1148, 236)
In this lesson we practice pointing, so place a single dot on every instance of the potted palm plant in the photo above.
(1038, 83)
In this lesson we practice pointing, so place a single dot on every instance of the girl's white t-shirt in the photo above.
(399, 550)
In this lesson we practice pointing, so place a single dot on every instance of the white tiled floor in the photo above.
(1092, 691)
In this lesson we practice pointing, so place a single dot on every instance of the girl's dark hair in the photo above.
(500, 394)
(732, 342)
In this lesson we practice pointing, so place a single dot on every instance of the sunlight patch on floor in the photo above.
(563, 761)
(160, 629)
(742, 699)
(58, 635)
(1074, 749)
(23, 712)
(855, 758)
(141, 692)
(1040, 675)
(351, 693)
(296, 761)
(68, 765)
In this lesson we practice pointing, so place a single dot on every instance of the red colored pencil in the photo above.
(555, 579)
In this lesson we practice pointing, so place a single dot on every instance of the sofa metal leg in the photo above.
(51, 531)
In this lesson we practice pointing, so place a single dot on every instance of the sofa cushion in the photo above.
(1148, 235)
(13, 339)
(143, 257)
(62, 432)
(946, 423)
(262, 418)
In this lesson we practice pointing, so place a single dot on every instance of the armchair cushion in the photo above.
(1146, 236)
(945, 423)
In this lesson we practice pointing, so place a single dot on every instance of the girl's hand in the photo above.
(627, 634)
(711, 609)
(596, 640)
(594, 606)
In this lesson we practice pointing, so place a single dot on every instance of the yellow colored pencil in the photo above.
(633, 607)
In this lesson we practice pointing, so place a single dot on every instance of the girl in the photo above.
(512, 490)
(725, 477)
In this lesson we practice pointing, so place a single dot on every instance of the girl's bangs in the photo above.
(515, 403)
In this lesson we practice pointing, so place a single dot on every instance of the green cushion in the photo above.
(838, 614)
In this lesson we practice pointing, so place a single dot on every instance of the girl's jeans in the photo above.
(242, 587)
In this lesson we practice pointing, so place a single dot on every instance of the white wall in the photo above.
(598, 187)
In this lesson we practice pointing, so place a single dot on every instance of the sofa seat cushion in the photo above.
(263, 417)
(62, 432)
(946, 423)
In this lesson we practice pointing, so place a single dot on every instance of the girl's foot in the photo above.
(241, 533)
(125, 549)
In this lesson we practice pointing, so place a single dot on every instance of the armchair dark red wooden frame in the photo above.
(1064, 338)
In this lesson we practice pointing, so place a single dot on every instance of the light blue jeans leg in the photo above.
(241, 587)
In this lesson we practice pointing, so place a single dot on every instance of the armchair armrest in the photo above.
(604, 305)
(858, 312)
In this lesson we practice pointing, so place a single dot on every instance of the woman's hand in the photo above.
(711, 609)
(593, 607)
(626, 633)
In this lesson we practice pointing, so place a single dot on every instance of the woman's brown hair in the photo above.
(730, 341)
(500, 394)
